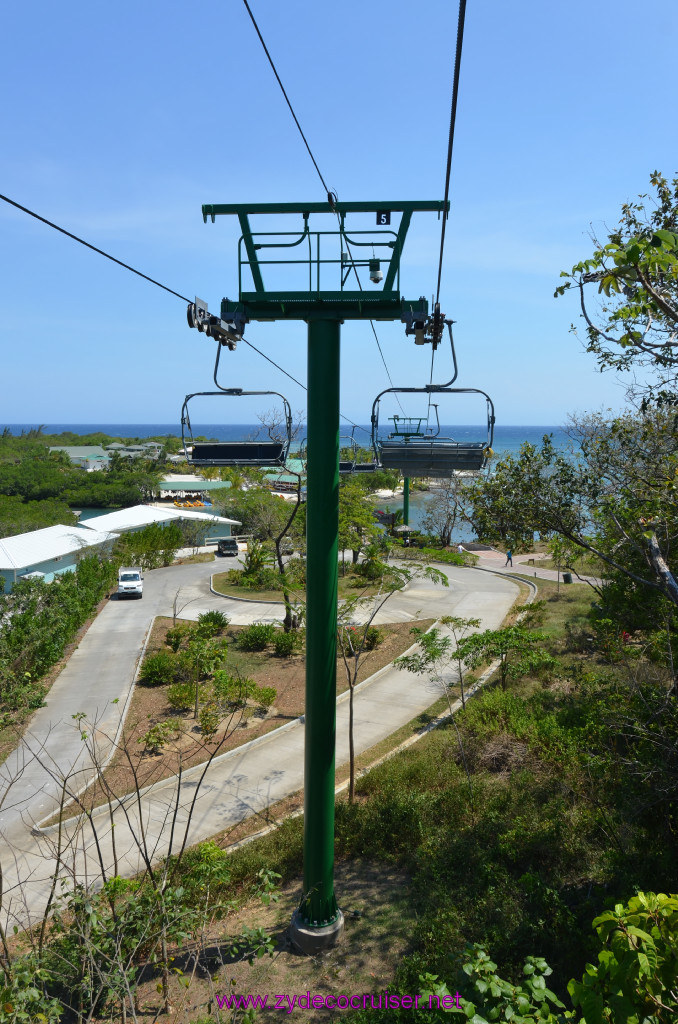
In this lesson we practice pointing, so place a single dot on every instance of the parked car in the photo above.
(227, 546)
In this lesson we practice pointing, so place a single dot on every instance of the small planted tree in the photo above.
(438, 653)
(518, 650)
(354, 640)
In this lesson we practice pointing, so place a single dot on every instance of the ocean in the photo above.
(507, 438)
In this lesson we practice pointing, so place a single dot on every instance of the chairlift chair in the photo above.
(424, 454)
(234, 453)
(362, 467)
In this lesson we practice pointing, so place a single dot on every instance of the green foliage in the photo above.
(211, 624)
(256, 637)
(160, 734)
(287, 644)
(159, 669)
(514, 646)
(487, 997)
(373, 636)
(357, 526)
(29, 471)
(181, 696)
(38, 620)
(22, 995)
(177, 636)
(635, 979)
(232, 690)
(208, 720)
(151, 548)
(17, 516)
(636, 272)
(265, 696)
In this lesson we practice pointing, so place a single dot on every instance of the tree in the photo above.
(438, 652)
(563, 552)
(514, 646)
(356, 519)
(353, 640)
(636, 271)
(443, 510)
(151, 547)
(615, 496)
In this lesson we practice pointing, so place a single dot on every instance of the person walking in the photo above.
(460, 549)
(509, 558)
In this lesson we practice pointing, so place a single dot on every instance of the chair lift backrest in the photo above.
(235, 453)
(432, 455)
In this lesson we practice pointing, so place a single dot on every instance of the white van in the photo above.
(130, 582)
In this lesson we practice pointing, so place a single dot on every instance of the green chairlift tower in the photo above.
(312, 259)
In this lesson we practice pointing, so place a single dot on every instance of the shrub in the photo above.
(256, 636)
(265, 696)
(209, 720)
(160, 734)
(158, 669)
(181, 696)
(176, 636)
(287, 644)
(232, 690)
(211, 624)
(373, 637)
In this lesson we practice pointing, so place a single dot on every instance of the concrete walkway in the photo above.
(238, 784)
(526, 565)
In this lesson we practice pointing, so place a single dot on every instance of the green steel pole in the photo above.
(319, 906)
(406, 502)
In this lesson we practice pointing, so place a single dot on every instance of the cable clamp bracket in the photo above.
(226, 332)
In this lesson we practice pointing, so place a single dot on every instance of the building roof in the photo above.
(143, 515)
(192, 485)
(51, 542)
(80, 451)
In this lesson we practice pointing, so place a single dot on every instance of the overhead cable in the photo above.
(101, 252)
(152, 280)
(330, 195)
(453, 117)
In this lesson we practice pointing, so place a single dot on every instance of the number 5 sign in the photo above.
(384, 217)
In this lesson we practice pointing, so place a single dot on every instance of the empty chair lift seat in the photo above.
(431, 457)
(239, 453)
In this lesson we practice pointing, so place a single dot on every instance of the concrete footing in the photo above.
(315, 940)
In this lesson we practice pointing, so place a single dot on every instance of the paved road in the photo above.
(240, 783)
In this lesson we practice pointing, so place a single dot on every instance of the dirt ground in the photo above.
(149, 706)
(379, 916)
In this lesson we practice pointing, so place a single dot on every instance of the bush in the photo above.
(209, 720)
(232, 690)
(160, 734)
(373, 637)
(181, 696)
(176, 636)
(256, 637)
(287, 644)
(159, 669)
(211, 624)
(265, 696)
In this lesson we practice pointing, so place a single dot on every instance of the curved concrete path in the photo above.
(238, 784)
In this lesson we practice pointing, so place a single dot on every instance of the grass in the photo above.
(553, 834)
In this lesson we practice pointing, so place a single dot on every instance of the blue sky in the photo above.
(119, 121)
